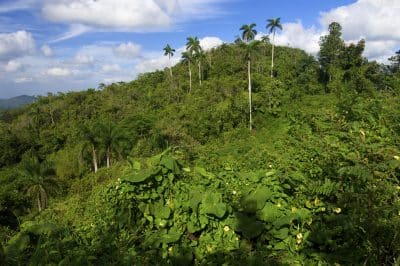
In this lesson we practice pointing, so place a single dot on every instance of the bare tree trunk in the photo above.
(249, 76)
(272, 59)
(94, 159)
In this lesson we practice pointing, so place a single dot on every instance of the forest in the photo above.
(245, 154)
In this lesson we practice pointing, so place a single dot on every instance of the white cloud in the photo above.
(46, 50)
(377, 21)
(16, 44)
(58, 72)
(157, 61)
(129, 49)
(125, 15)
(23, 80)
(117, 79)
(13, 66)
(207, 43)
(82, 59)
(74, 30)
(152, 64)
(373, 19)
(295, 35)
(111, 68)
(133, 15)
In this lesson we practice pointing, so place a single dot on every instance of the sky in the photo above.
(69, 45)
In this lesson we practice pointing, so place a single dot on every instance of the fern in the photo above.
(325, 188)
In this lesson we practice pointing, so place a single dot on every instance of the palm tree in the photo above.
(265, 41)
(168, 50)
(199, 56)
(90, 134)
(248, 35)
(248, 32)
(40, 181)
(110, 136)
(193, 45)
(273, 25)
(187, 57)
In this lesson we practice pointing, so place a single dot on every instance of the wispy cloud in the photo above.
(9, 6)
(74, 30)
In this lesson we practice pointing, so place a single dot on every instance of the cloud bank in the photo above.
(377, 21)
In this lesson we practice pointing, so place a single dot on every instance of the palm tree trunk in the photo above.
(108, 157)
(170, 65)
(94, 156)
(249, 76)
(39, 204)
(190, 78)
(199, 72)
(272, 58)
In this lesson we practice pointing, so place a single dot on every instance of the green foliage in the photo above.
(316, 182)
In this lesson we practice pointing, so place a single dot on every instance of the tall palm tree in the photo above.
(265, 41)
(248, 32)
(187, 57)
(169, 51)
(110, 137)
(40, 181)
(248, 35)
(90, 134)
(193, 45)
(273, 25)
(199, 56)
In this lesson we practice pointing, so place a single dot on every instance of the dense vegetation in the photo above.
(164, 169)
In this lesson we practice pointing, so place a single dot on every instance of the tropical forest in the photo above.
(250, 153)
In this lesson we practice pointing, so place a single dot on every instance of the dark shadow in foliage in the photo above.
(8, 219)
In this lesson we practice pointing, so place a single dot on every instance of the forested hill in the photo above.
(169, 169)
(16, 102)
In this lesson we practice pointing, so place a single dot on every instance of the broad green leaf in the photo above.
(256, 199)
(203, 172)
(169, 163)
(248, 225)
(192, 227)
(195, 199)
(301, 214)
(141, 175)
(270, 173)
(136, 165)
(281, 233)
(269, 213)
(212, 204)
(283, 220)
(160, 210)
(174, 234)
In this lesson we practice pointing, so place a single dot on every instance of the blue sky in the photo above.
(63, 45)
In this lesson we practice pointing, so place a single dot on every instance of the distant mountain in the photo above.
(16, 102)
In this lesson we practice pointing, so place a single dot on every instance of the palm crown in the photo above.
(274, 24)
(248, 32)
(193, 45)
(168, 50)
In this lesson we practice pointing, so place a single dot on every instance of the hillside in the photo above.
(16, 102)
(159, 171)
